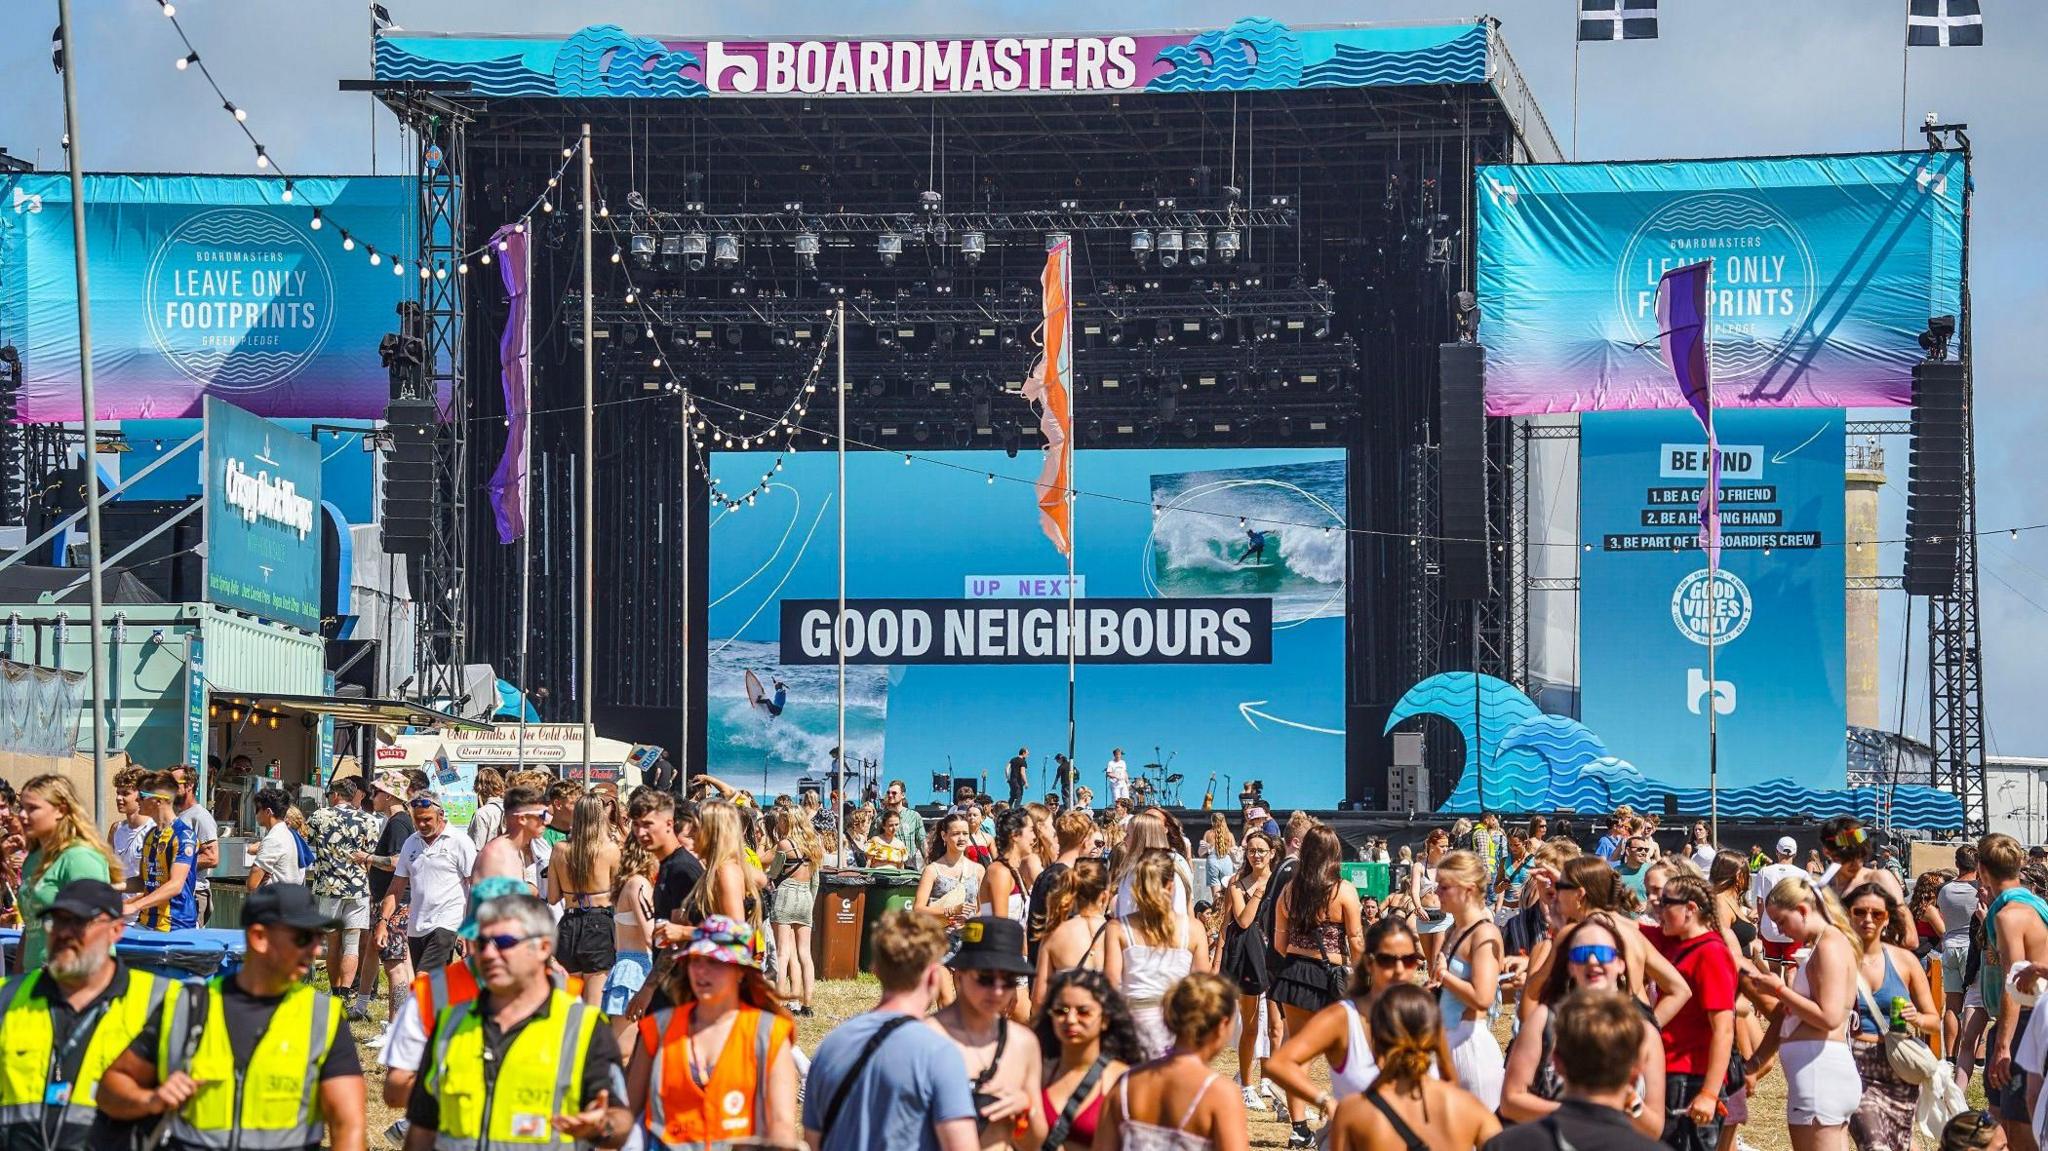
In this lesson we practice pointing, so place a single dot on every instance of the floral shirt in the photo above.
(336, 834)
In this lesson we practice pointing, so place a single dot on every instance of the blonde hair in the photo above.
(1462, 868)
(73, 828)
(1198, 1006)
(1145, 832)
(720, 840)
(1796, 891)
(1152, 897)
(1221, 842)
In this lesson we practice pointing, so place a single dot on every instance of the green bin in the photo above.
(1371, 879)
(889, 889)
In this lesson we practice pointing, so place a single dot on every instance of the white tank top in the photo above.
(1360, 1068)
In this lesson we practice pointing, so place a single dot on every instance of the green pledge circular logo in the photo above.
(239, 300)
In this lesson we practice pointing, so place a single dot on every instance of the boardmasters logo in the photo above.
(238, 300)
(1763, 286)
(1693, 605)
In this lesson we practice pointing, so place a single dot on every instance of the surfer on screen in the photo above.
(1255, 547)
(758, 698)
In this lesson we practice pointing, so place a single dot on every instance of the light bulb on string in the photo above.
(991, 477)
(348, 242)
(316, 220)
(187, 60)
(486, 259)
(2014, 533)
(568, 152)
(262, 157)
(506, 245)
(906, 459)
(547, 205)
(519, 226)
(615, 255)
(375, 259)
(629, 296)
(286, 195)
(397, 267)
(462, 268)
(170, 9)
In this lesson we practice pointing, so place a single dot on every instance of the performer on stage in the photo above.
(1119, 774)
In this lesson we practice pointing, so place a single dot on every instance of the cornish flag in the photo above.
(1944, 24)
(1619, 19)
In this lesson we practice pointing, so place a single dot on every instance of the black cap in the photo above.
(291, 904)
(86, 898)
(991, 943)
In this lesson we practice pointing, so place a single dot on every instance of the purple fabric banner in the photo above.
(515, 350)
(1682, 295)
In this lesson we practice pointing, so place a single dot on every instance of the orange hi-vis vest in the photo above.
(734, 1103)
(438, 990)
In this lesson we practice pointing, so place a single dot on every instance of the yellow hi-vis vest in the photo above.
(515, 1108)
(267, 1104)
(27, 1043)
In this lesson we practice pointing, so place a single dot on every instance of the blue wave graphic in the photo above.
(1537, 762)
(1253, 53)
(604, 60)
(239, 228)
(506, 76)
(1461, 62)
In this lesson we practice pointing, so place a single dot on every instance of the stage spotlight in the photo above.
(877, 386)
(781, 336)
(945, 335)
(1007, 336)
(1168, 399)
(889, 246)
(806, 244)
(973, 246)
(671, 252)
(1113, 333)
(920, 431)
(1189, 429)
(1228, 241)
(1010, 440)
(1197, 247)
(1285, 426)
(1216, 330)
(1169, 247)
(1162, 331)
(725, 249)
(734, 336)
(1141, 244)
(1320, 327)
(642, 246)
(694, 247)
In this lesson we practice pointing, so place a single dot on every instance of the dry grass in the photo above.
(842, 999)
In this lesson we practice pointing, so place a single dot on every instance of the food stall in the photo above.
(451, 759)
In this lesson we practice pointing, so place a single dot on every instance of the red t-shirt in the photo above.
(1709, 970)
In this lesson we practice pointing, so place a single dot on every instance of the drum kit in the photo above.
(1157, 782)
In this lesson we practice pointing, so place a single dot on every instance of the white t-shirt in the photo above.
(278, 855)
(2029, 1056)
(127, 843)
(488, 821)
(439, 874)
(1760, 886)
(405, 1041)
(1117, 771)
(1703, 857)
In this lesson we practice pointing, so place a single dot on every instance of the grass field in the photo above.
(840, 1000)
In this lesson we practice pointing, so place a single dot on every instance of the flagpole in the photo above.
(1577, 41)
(1073, 631)
(839, 621)
(525, 499)
(1905, 71)
(1713, 527)
(588, 617)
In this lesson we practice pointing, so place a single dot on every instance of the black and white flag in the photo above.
(381, 21)
(1617, 19)
(1944, 24)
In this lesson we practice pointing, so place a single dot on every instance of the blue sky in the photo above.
(1730, 77)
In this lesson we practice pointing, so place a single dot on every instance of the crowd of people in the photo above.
(578, 965)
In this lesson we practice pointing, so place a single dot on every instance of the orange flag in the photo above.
(1048, 387)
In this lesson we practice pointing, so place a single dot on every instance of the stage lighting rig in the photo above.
(806, 245)
(1141, 244)
(1934, 341)
(695, 245)
(1196, 247)
(1468, 318)
(973, 246)
(641, 245)
(725, 250)
(1169, 247)
(1228, 242)
(889, 246)
(671, 253)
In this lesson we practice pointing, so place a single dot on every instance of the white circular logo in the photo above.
(1692, 606)
(239, 300)
(1763, 282)
(735, 1102)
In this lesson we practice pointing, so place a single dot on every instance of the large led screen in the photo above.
(1210, 604)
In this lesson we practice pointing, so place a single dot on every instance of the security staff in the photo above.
(255, 1060)
(524, 1063)
(61, 1026)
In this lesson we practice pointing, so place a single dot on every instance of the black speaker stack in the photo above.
(408, 511)
(1935, 477)
(1461, 469)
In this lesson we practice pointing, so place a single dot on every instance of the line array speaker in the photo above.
(1461, 469)
(1934, 478)
(408, 505)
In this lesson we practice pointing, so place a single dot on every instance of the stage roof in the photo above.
(604, 62)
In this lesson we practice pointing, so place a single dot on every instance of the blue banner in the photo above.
(204, 286)
(1826, 269)
(262, 517)
(1779, 675)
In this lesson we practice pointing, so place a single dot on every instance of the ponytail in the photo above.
(1081, 883)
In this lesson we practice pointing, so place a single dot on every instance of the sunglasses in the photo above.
(1869, 913)
(998, 980)
(1592, 953)
(1388, 960)
(424, 802)
(503, 943)
(1674, 901)
(299, 936)
(1565, 885)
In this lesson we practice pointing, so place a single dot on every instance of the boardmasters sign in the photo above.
(262, 517)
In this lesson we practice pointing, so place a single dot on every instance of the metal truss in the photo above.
(689, 313)
(1879, 428)
(937, 226)
(441, 642)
